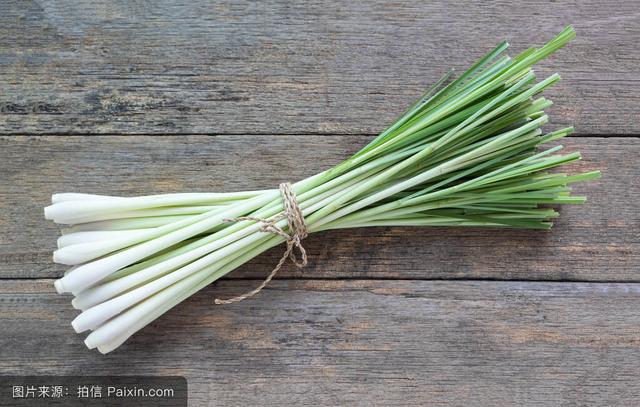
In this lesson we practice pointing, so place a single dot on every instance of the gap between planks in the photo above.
(374, 278)
(300, 134)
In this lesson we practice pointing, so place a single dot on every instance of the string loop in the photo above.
(297, 232)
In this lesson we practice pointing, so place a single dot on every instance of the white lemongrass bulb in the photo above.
(97, 236)
(120, 339)
(79, 253)
(73, 196)
(68, 271)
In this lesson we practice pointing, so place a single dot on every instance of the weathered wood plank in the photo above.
(360, 343)
(277, 67)
(596, 241)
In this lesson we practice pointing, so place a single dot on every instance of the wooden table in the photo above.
(146, 97)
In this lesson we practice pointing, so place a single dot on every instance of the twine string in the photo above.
(297, 232)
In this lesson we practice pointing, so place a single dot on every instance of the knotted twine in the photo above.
(297, 232)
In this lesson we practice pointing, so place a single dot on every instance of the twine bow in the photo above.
(297, 232)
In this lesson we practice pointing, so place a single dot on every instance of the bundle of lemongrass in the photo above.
(464, 154)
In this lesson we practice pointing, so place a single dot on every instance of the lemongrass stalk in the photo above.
(143, 213)
(74, 196)
(144, 222)
(193, 196)
(97, 236)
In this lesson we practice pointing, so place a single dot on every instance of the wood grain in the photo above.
(236, 88)
(360, 343)
(277, 67)
(596, 242)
